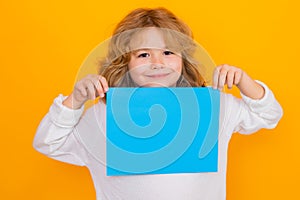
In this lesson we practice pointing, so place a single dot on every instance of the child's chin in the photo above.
(156, 84)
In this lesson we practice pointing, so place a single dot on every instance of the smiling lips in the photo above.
(158, 75)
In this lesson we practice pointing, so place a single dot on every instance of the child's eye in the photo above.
(143, 55)
(168, 52)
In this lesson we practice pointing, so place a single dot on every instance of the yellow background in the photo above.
(43, 43)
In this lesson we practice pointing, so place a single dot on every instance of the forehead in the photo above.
(148, 38)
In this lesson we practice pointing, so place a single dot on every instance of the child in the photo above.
(149, 57)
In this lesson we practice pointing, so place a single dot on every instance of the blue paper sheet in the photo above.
(162, 130)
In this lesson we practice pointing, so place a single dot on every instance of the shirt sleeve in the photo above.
(55, 134)
(248, 115)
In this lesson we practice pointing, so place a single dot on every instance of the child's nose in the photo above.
(157, 60)
(157, 64)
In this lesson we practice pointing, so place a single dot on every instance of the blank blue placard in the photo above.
(162, 130)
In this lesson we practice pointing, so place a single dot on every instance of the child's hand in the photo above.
(230, 75)
(87, 88)
(226, 75)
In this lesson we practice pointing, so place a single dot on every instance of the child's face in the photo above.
(151, 63)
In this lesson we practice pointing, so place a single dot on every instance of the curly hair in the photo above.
(177, 36)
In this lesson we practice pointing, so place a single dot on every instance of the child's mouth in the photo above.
(158, 75)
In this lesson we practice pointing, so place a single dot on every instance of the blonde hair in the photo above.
(115, 67)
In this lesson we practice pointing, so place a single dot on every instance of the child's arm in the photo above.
(56, 135)
(258, 108)
(230, 75)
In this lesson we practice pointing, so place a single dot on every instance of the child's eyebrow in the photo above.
(141, 49)
(148, 49)
(136, 51)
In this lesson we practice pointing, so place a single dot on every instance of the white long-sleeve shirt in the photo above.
(73, 137)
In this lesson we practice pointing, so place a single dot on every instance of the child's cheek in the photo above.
(137, 63)
(176, 65)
